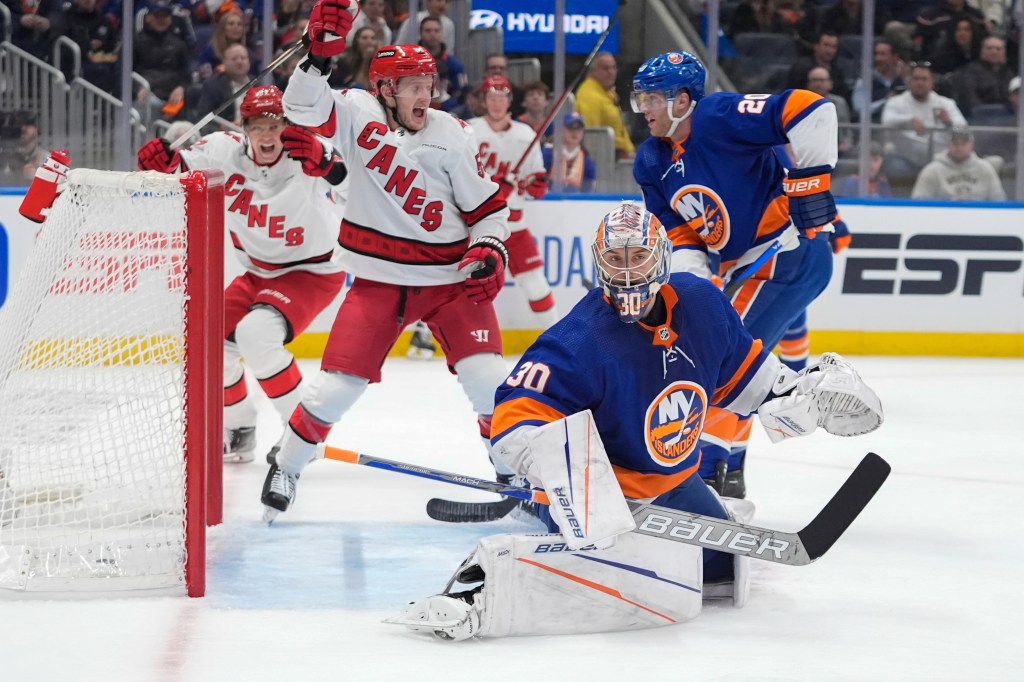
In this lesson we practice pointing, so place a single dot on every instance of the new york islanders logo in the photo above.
(674, 421)
(704, 212)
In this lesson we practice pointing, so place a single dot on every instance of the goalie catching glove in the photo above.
(830, 394)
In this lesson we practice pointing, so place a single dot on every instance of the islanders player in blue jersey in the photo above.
(608, 404)
(710, 174)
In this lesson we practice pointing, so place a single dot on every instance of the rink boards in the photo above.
(919, 278)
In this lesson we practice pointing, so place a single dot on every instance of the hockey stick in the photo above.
(281, 59)
(752, 269)
(793, 549)
(565, 94)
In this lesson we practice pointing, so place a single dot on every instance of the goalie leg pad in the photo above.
(536, 585)
(586, 501)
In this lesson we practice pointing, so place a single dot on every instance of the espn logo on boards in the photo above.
(947, 263)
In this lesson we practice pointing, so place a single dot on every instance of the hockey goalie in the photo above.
(609, 404)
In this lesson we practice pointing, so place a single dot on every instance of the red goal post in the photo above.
(111, 356)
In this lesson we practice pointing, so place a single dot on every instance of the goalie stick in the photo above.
(793, 549)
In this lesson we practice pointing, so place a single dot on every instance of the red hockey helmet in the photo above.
(496, 84)
(263, 100)
(393, 62)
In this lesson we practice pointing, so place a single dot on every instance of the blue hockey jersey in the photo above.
(649, 388)
(721, 188)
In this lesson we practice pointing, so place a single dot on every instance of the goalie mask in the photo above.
(633, 256)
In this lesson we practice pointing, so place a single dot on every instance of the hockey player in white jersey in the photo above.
(423, 236)
(502, 142)
(284, 229)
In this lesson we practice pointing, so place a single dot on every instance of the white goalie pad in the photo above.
(536, 585)
(829, 394)
(569, 461)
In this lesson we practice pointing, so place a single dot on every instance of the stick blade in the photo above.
(450, 511)
(833, 520)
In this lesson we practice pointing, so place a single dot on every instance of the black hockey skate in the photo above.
(239, 444)
(728, 483)
(422, 346)
(278, 492)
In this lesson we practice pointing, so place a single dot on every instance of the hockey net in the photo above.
(110, 349)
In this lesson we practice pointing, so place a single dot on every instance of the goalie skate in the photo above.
(447, 618)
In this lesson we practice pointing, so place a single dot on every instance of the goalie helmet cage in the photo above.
(111, 356)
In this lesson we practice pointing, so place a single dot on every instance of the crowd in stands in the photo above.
(939, 66)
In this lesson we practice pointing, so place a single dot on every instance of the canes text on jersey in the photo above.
(399, 178)
(257, 213)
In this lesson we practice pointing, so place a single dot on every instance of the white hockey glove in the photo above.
(830, 394)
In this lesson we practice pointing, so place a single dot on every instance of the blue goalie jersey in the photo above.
(720, 189)
(649, 388)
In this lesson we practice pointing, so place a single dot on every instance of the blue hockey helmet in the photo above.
(669, 73)
(634, 257)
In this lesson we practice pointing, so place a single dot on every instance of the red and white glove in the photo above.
(484, 263)
(535, 185)
(508, 184)
(156, 155)
(46, 186)
(329, 24)
(305, 147)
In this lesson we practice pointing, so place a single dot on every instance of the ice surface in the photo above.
(924, 586)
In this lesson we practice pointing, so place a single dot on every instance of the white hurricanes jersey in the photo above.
(279, 218)
(415, 200)
(500, 151)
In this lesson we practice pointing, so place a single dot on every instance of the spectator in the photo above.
(30, 26)
(579, 170)
(286, 16)
(824, 53)
(914, 115)
(163, 59)
(878, 184)
(536, 98)
(959, 47)
(475, 104)
(283, 73)
(20, 154)
(598, 102)
(371, 13)
(224, 84)
(436, 9)
(886, 81)
(97, 38)
(431, 38)
(844, 18)
(934, 23)
(758, 16)
(819, 81)
(230, 31)
(352, 69)
(958, 174)
(986, 80)
(496, 64)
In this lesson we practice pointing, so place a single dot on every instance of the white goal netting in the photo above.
(92, 392)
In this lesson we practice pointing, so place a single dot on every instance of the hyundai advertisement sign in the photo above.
(529, 25)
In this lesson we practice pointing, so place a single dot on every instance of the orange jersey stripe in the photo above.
(509, 414)
(721, 424)
(776, 215)
(610, 591)
(755, 350)
(746, 295)
(795, 105)
(684, 235)
(638, 485)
